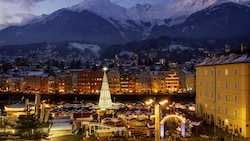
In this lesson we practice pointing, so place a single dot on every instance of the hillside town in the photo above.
(47, 71)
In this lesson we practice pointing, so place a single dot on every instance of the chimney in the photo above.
(227, 48)
(244, 47)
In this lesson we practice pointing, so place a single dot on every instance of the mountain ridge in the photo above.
(79, 23)
(221, 21)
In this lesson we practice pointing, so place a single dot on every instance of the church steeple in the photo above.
(105, 101)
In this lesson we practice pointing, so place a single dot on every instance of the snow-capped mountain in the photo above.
(105, 22)
(155, 14)
(227, 20)
(103, 8)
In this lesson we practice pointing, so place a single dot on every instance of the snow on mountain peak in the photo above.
(103, 8)
(155, 14)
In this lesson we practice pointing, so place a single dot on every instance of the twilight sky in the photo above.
(19, 11)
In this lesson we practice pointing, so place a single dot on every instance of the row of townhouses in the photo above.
(89, 82)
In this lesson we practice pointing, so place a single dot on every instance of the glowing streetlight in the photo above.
(105, 69)
(163, 102)
(149, 102)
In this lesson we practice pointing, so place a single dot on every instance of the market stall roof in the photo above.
(20, 106)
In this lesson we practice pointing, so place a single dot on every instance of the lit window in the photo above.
(226, 71)
(235, 113)
(205, 72)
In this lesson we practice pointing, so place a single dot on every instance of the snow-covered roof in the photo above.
(20, 106)
(35, 73)
(225, 59)
(63, 125)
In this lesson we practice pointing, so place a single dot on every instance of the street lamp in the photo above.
(149, 102)
(157, 116)
(163, 102)
(157, 122)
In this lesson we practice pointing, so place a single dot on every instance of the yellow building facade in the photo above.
(223, 92)
(172, 81)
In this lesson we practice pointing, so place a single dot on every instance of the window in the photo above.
(226, 71)
(218, 108)
(218, 72)
(218, 96)
(235, 71)
(200, 83)
(236, 85)
(212, 95)
(236, 99)
(226, 97)
(218, 84)
(206, 94)
(200, 72)
(212, 72)
(235, 113)
(226, 110)
(212, 83)
(205, 72)
(200, 93)
(226, 85)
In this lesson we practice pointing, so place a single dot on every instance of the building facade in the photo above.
(187, 81)
(114, 81)
(172, 81)
(89, 82)
(222, 92)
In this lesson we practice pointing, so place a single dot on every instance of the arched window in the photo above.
(236, 99)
